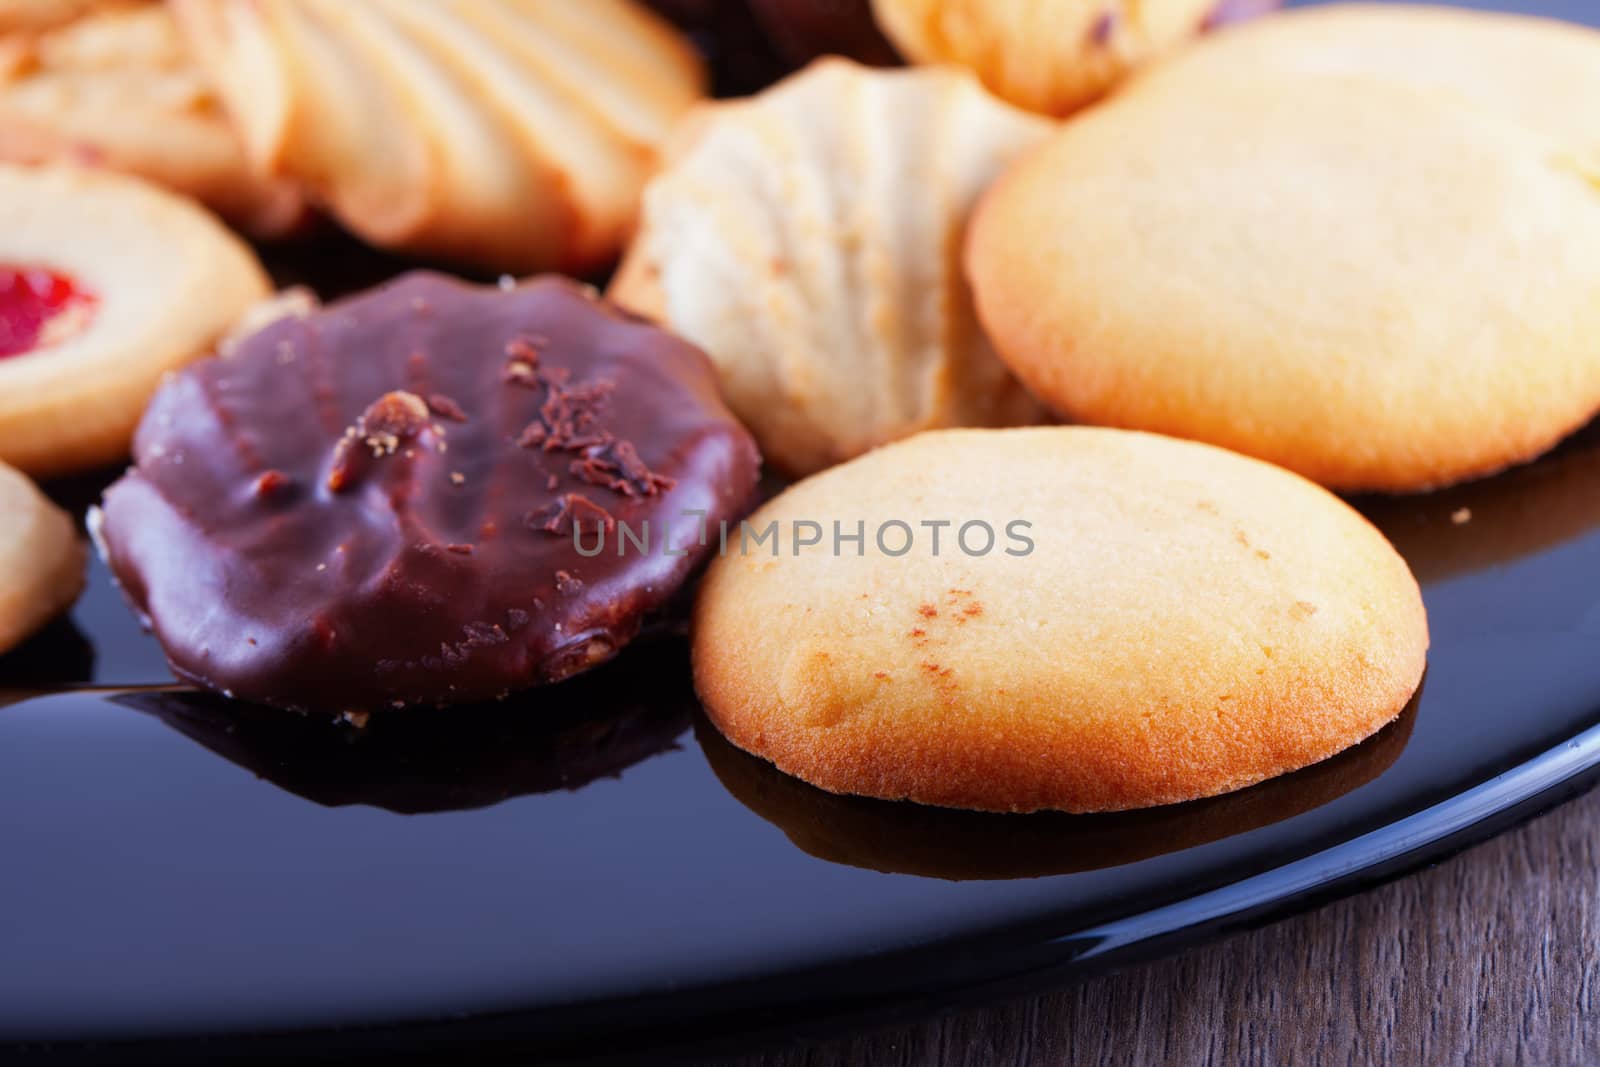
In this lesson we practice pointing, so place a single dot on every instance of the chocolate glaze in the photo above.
(373, 507)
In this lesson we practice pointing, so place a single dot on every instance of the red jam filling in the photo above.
(39, 307)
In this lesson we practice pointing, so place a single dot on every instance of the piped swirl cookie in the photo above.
(501, 134)
(429, 494)
(809, 240)
(106, 284)
(1062, 617)
(118, 88)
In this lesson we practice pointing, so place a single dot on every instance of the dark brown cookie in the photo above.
(397, 500)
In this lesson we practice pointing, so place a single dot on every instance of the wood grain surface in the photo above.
(1492, 957)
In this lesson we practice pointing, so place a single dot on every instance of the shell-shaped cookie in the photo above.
(1052, 57)
(507, 134)
(119, 87)
(809, 239)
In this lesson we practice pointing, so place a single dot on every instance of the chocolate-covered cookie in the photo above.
(430, 494)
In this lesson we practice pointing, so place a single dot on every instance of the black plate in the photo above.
(592, 869)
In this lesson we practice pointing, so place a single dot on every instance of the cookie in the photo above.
(1060, 618)
(808, 239)
(501, 135)
(430, 494)
(1050, 57)
(106, 284)
(1528, 69)
(41, 559)
(1379, 286)
(21, 15)
(118, 88)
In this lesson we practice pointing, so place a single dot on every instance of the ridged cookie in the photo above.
(809, 240)
(506, 134)
(119, 89)
(1054, 56)
(1378, 285)
(41, 559)
(1187, 622)
(106, 283)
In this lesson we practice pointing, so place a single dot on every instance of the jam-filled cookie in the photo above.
(430, 494)
(1053, 56)
(106, 284)
(41, 559)
(499, 134)
(118, 88)
(809, 240)
(1058, 617)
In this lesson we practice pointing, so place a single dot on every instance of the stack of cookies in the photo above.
(1347, 250)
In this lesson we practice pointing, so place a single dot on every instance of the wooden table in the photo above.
(1492, 957)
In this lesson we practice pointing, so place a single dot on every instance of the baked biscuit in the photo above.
(1052, 57)
(106, 283)
(1174, 621)
(1378, 286)
(41, 559)
(502, 134)
(43, 14)
(119, 89)
(1529, 69)
(809, 240)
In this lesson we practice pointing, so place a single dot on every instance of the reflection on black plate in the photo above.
(558, 738)
(904, 838)
(1482, 524)
(57, 655)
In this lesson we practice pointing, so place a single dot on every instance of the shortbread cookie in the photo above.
(41, 559)
(502, 134)
(809, 240)
(1054, 56)
(119, 89)
(1532, 70)
(430, 494)
(1061, 617)
(1380, 287)
(106, 283)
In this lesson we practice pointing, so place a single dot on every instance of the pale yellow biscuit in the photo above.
(1376, 285)
(41, 559)
(506, 134)
(1535, 71)
(1187, 622)
(1052, 56)
(118, 88)
(161, 282)
(809, 239)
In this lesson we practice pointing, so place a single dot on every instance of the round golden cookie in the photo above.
(119, 89)
(505, 134)
(1379, 286)
(106, 283)
(1052, 57)
(1174, 621)
(809, 240)
(1532, 70)
(41, 559)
